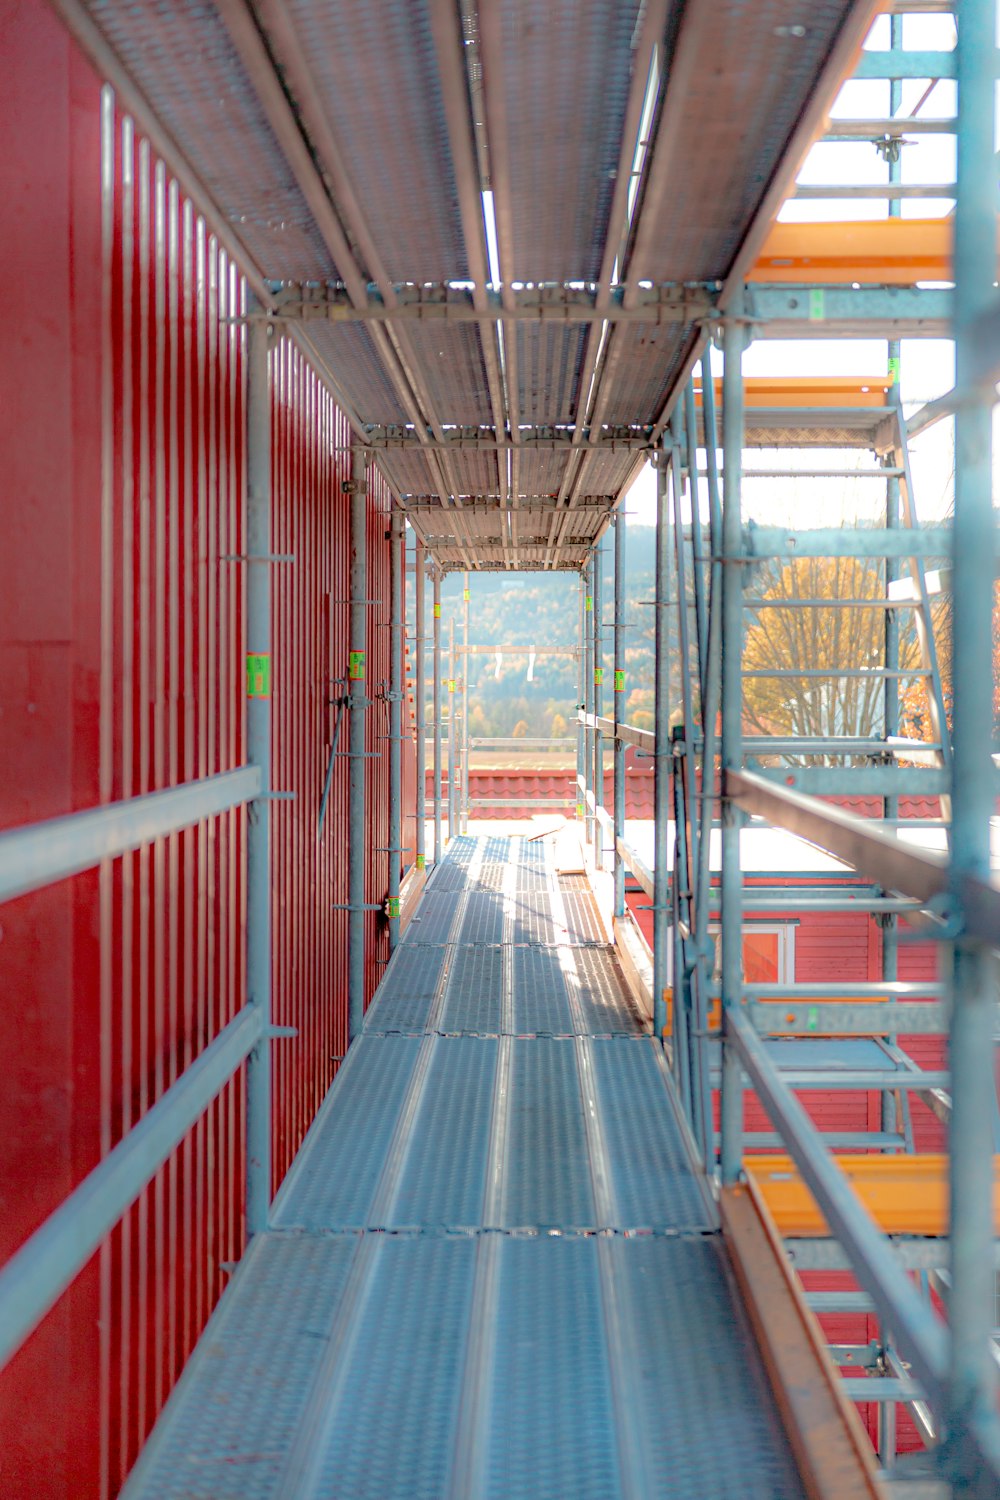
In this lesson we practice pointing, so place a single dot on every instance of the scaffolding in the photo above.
(507, 417)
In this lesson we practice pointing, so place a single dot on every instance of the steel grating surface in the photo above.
(405, 996)
(547, 1167)
(377, 75)
(444, 1178)
(334, 1177)
(182, 60)
(230, 1424)
(655, 1187)
(551, 1430)
(348, 354)
(390, 1434)
(531, 918)
(540, 994)
(432, 1313)
(434, 920)
(603, 998)
(708, 1422)
(549, 363)
(565, 75)
(583, 925)
(483, 918)
(733, 124)
(474, 998)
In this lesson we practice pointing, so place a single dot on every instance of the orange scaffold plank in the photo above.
(879, 252)
(903, 1194)
(787, 392)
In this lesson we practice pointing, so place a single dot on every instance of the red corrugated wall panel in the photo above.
(121, 619)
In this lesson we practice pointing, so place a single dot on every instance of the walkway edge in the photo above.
(831, 1448)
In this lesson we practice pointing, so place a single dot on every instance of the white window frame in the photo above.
(786, 947)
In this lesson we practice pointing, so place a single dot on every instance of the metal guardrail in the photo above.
(39, 855)
(45, 1265)
(42, 853)
(627, 734)
(918, 1330)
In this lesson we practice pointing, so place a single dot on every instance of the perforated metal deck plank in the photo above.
(547, 1170)
(473, 1000)
(603, 998)
(432, 1314)
(540, 996)
(229, 1427)
(443, 1180)
(433, 921)
(389, 1431)
(705, 1414)
(333, 1180)
(651, 1176)
(550, 1429)
(404, 998)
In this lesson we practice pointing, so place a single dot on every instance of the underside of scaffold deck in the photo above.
(479, 1280)
(362, 155)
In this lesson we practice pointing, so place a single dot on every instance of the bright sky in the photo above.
(927, 366)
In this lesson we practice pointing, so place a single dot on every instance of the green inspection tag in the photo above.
(812, 1017)
(451, 684)
(817, 304)
(588, 602)
(894, 370)
(421, 861)
(619, 682)
(437, 611)
(356, 666)
(258, 675)
(465, 595)
(598, 676)
(579, 809)
(392, 907)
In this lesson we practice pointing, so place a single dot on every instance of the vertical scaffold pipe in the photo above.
(701, 1091)
(465, 706)
(357, 844)
(581, 698)
(598, 597)
(972, 1398)
(420, 696)
(452, 736)
(732, 730)
(588, 698)
(437, 715)
(258, 949)
(619, 706)
(661, 785)
(890, 803)
(397, 563)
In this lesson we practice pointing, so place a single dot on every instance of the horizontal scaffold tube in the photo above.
(41, 853)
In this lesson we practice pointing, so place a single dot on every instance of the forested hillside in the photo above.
(543, 609)
(525, 610)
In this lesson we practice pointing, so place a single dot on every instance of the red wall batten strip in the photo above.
(122, 620)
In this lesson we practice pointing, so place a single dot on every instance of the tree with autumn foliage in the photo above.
(915, 717)
(786, 637)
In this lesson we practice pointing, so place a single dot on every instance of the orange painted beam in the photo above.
(903, 1194)
(821, 391)
(832, 1451)
(874, 252)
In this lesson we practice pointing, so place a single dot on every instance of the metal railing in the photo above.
(41, 854)
(700, 581)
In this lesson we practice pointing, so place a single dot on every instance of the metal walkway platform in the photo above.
(492, 1270)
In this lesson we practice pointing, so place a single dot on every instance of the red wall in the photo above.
(122, 462)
